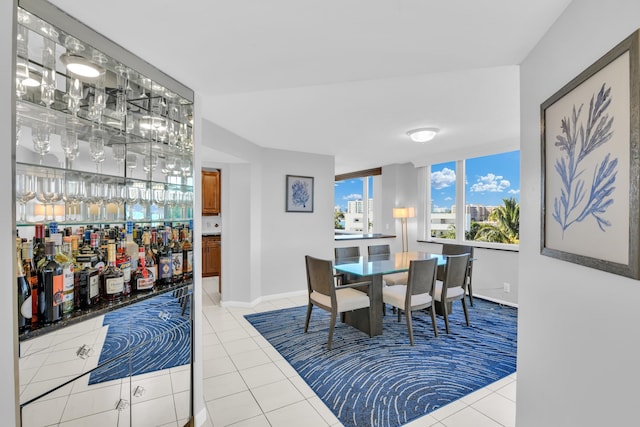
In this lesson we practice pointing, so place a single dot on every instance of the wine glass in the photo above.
(116, 195)
(131, 161)
(41, 135)
(158, 200)
(25, 191)
(145, 198)
(119, 155)
(132, 196)
(170, 201)
(96, 150)
(71, 196)
(98, 192)
(187, 203)
(49, 191)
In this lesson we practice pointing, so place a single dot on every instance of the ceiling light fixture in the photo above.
(81, 66)
(423, 134)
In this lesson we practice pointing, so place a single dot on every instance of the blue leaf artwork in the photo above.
(300, 193)
(579, 139)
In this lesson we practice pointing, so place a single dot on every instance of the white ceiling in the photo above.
(341, 77)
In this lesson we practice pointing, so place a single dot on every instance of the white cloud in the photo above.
(448, 198)
(514, 191)
(352, 196)
(491, 183)
(443, 179)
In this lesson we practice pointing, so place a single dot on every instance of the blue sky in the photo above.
(489, 180)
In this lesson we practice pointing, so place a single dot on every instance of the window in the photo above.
(353, 213)
(443, 200)
(491, 199)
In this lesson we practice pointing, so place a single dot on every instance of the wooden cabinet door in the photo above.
(210, 193)
(215, 258)
(210, 256)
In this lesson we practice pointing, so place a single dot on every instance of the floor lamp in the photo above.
(404, 214)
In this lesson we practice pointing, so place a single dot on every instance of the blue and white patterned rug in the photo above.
(383, 381)
(156, 334)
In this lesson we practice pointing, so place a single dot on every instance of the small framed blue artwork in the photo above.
(299, 193)
(590, 165)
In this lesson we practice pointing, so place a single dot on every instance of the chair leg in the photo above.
(306, 323)
(399, 312)
(331, 327)
(446, 315)
(470, 293)
(432, 309)
(466, 313)
(409, 327)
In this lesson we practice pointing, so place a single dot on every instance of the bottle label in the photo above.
(164, 267)
(126, 270)
(176, 262)
(114, 285)
(26, 308)
(153, 271)
(58, 290)
(67, 302)
(67, 273)
(189, 267)
(144, 283)
(94, 286)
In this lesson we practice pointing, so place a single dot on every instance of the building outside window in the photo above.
(353, 213)
(491, 199)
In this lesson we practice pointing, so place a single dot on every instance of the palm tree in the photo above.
(504, 225)
(338, 216)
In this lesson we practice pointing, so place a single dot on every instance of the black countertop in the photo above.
(340, 237)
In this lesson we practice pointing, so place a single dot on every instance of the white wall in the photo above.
(578, 347)
(263, 246)
(8, 315)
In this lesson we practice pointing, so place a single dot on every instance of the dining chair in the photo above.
(451, 249)
(453, 287)
(417, 294)
(324, 294)
(393, 278)
(341, 254)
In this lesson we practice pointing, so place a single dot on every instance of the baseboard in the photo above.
(263, 298)
(496, 300)
(201, 417)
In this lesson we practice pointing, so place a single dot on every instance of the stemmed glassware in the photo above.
(49, 190)
(187, 203)
(117, 196)
(119, 155)
(98, 192)
(132, 196)
(170, 200)
(72, 193)
(96, 147)
(25, 191)
(41, 135)
(158, 200)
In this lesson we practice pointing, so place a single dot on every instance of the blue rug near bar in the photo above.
(154, 333)
(385, 382)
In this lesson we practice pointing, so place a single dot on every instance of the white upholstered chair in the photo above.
(453, 286)
(417, 294)
(324, 294)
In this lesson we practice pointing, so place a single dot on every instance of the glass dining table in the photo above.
(372, 268)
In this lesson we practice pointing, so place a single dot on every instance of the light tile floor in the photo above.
(248, 383)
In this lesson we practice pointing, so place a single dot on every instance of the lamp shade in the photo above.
(404, 212)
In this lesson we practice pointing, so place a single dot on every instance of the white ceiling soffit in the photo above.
(339, 77)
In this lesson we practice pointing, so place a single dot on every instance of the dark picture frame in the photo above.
(590, 141)
(299, 192)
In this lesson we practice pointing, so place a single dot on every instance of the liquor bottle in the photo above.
(151, 258)
(88, 279)
(100, 260)
(187, 255)
(123, 262)
(24, 293)
(165, 269)
(38, 247)
(143, 279)
(112, 276)
(176, 258)
(50, 287)
(63, 256)
(131, 246)
(32, 278)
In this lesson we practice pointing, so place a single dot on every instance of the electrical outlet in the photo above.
(506, 287)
